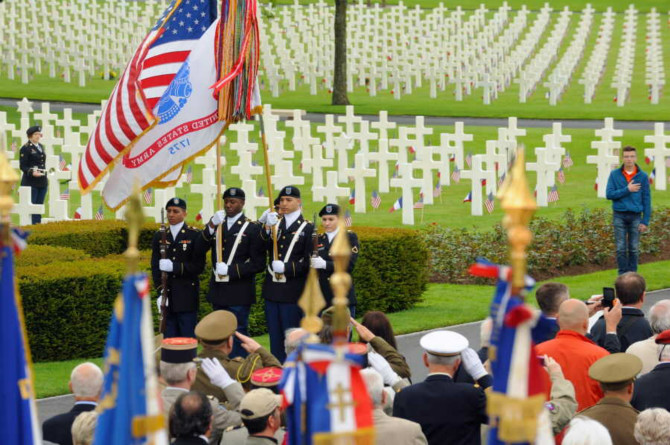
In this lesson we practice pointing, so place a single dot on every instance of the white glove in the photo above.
(165, 265)
(278, 266)
(272, 219)
(221, 269)
(159, 301)
(473, 366)
(318, 263)
(383, 367)
(216, 373)
(218, 217)
(264, 217)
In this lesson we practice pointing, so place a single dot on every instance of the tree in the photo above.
(340, 78)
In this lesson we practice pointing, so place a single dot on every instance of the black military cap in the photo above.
(234, 192)
(276, 202)
(176, 202)
(330, 209)
(34, 129)
(290, 190)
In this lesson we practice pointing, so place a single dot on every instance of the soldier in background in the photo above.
(32, 162)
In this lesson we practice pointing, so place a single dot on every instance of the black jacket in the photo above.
(32, 157)
(248, 261)
(296, 267)
(188, 263)
(448, 412)
(58, 429)
(324, 274)
(189, 441)
(652, 390)
(633, 327)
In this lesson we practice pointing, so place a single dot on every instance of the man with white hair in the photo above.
(448, 412)
(647, 350)
(86, 385)
(389, 429)
(292, 339)
(652, 390)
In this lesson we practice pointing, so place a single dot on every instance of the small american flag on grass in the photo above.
(456, 174)
(553, 194)
(66, 193)
(99, 215)
(561, 175)
(375, 200)
(567, 160)
(348, 221)
(148, 195)
(489, 203)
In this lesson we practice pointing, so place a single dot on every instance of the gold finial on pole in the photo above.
(8, 178)
(312, 302)
(340, 281)
(519, 207)
(135, 218)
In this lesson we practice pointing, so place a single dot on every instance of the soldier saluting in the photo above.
(33, 165)
(183, 266)
(321, 259)
(232, 285)
(285, 276)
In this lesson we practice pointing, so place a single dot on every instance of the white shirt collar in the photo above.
(230, 220)
(332, 234)
(291, 217)
(86, 402)
(441, 373)
(175, 229)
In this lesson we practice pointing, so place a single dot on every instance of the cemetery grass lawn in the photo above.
(442, 305)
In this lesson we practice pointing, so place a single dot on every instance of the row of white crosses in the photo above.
(655, 74)
(623, 75)
(561, 75)
(80, 37)
(597, 61)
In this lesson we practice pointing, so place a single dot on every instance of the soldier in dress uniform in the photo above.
(285, 277)
(33, 165)
(215, 333)
(324, 264)
(232, 286)
(183, 265)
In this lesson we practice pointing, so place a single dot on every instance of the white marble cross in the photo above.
(382, 157)
(407, 182)
(359, 173)
(659, 153)
(253, 202)
(605, 158)
(546, 166)
(477, 175)
(331, 191)
(452, 144)
(317, 164)
(245, 168)
(329, 130)
(25, 208)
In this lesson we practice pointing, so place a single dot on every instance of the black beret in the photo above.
(330, 209)
(276, 202)
(33, 129)
(290, 190)
(234, 192)
(176, 202)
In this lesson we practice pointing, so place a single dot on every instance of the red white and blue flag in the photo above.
(652, 176)
(189, 174)
(489, 203)
(468, 159)
(561, 175)
(468, 197)
(419, 204)
(65, 195)
(148, 193)
(78, 213)
(456, 174)
(375, 199)
(437, 191)
(397, 205)
(62, 164)
(99, 215)
(348, 220)
(553, 194)
(567, 160)
(352, 197)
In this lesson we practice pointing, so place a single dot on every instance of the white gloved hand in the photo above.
(218, 217)
(165, 265)
(216, 373)
(221, 269)
(159, 302)
(318, 263)
(272, 219)
(278, 266)
(473, 366)
(264, 217)
(383, 367)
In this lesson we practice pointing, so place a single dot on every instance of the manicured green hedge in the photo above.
(68, 299)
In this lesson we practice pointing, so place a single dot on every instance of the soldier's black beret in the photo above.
(34, 129)
(330, 209)
(290, 190)
(234, 192)
(176, 202)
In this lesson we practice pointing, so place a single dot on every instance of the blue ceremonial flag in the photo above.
(130, 410)
(18, 414)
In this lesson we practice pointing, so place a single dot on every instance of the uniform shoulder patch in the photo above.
(237, 359)
(354, 249)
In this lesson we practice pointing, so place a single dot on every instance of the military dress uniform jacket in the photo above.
(31, 157)
(188, 263)
(296, 266)
(324, 274)
(248, 261)
(617, 416)
(652, 390)
(238, 368)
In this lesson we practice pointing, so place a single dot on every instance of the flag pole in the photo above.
(219, 200)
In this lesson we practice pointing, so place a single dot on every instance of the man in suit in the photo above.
(191, 419)
(549, 297)
(32, 161)
(322, 262)
(615, 373)
(630, 290)
(86, 384)
(389, 429)
(652, 390)
(183, 265)
(215, 333)
(285, 276)
(178, 371)
(261, 415)
(448, 412)
(647, 350)
(232, 286)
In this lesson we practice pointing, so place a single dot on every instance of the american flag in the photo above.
(348, 221)
(419, 203)
(66, 193)
(261, 193)
(456, 174)
(561, 175)
(375, 200)
(468, 159)
(13, 146)
(148, 193)
(489, 203)
(198, 217)
(99, 215)
(437, 191)
(128, 112)
(553, 194)
(567, 160)
(189, 174)
(62, 163)
(652, 176)
(77, 213)
(352, 197)
(468, 198)
(501, 179)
